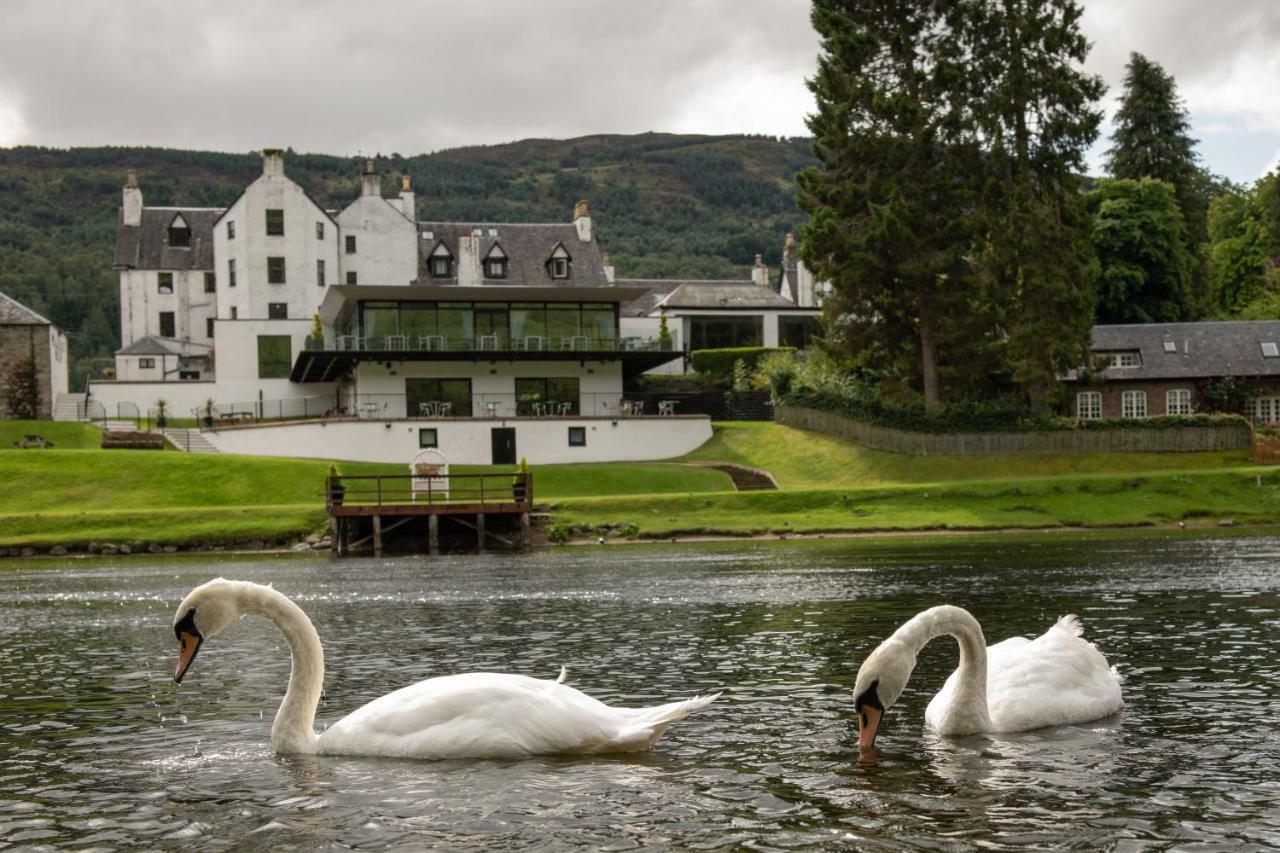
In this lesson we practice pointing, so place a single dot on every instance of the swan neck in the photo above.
(293, 731)
(971, 676)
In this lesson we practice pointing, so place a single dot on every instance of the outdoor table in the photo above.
(666, 407)
(487, 342)
(395, 342)
(369, 409)
(427, 410)
(431, 342)
(575, 342)
(533, 342)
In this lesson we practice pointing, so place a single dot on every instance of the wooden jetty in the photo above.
(393, 501)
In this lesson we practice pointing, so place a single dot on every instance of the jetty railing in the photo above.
(510, 491)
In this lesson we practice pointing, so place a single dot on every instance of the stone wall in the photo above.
(17, 344)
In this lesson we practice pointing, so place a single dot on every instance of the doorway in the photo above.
(504, 445)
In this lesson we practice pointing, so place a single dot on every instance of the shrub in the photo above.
(719, 362)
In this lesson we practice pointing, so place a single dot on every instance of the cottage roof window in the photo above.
(1170, 346)
(179, 233)
(1269, 350)
(1124, 358)
(440, 262)
(495, 263)
(558, 262)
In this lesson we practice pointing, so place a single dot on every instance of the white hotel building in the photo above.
(492, 342)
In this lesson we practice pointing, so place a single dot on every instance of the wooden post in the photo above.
(433, 535)
(377, 536)
(526, 536)
(335, 535)
(479, 532)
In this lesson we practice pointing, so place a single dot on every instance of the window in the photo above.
(1170, 346)
(273, 356)
(1133, 404)
(350, 243)
(275, 222)
(577, 436)
(722, 332)
(319, 230)
(231, 273)
(798, 332)
(277, 311)
(210, 283)
(455, 392)
(275, 270)
(1265, 410)
(320, 273)
(495, 268)
(208, 327)
(166, 282)
(231, 229)
(188, 374)
(351, 277)
(559, 267)
(1177, 402)
(1089, 405)
(1269, 350)
(235, 313)
(179, 233)
(440, 267)
(533, 396)
(147, 363)
(428, 438)
(167, 325)
(1120, 359)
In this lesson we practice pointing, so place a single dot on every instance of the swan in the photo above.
(475, 715)
(1017, 685)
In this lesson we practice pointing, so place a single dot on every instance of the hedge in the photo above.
(719, 362)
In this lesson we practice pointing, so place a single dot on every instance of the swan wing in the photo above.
(493, 715)
(1056, 679)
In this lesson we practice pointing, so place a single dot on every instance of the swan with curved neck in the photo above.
(474, 715)
(1058, 678)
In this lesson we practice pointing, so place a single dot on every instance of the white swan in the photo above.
(1017, 685)
(476, 715)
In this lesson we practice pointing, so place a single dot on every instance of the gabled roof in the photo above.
(14, 313)
(146, 246)
(151, 345)
(704, 294)
(527, 246)
(1201, 350)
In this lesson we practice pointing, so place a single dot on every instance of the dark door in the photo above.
(504, 446)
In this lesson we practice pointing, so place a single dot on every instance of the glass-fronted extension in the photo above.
(480, 326)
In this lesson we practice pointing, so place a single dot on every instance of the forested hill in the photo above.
(664, 205)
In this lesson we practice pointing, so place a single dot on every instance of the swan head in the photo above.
(205, 612)
(881, 679)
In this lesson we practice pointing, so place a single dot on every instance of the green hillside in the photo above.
(664, 205)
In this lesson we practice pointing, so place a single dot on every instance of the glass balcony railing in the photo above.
(488, 343)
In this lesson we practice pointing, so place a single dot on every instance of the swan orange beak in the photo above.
(188, 645)
(869, 717)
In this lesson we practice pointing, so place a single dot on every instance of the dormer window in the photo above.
(440, 262)
(179, 233)
(495, 263)
(1123, 359)
(558, 263)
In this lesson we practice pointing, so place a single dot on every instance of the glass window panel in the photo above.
(563, 321)
(528, 319)
(563, 389)
(379, 320)
(600, 324)
(493, 322)
(274, 356)
(417, 319)
(435, 390)
(456, 323)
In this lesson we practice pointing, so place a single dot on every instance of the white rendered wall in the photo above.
(386, 243)
(129, 368)
(141, 303)
(181, 398)
(251, 247)
(237, 350)
(540, 441)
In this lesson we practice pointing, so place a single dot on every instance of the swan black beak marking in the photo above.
(189, 641)
(870, 711)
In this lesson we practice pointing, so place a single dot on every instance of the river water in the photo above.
(101, 750)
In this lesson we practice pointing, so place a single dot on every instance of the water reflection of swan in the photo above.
(476, 715)
(1013, 686)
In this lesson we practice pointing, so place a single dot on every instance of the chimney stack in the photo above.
(131, 203)
(582, 220)
(608, 266)
(370, 183)
(760, 272)
(273, 162)
(408, 204)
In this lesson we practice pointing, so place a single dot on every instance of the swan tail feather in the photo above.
(1072, 625)
(564, 671)
(669, 713)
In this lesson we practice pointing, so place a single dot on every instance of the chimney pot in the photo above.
(759, 260)
(131, 179)
(404, 183)
(580, 209)
(272, 161)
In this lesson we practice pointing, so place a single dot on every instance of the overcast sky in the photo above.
(375, 76)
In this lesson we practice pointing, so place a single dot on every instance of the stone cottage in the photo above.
(30, 346)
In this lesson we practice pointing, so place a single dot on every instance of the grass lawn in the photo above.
(1247, 495)
(800, 459)
(64, 435)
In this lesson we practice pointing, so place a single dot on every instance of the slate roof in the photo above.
(14, 313)
(151, 345)
(726, 294)
(1229, 348)
(527, 246)
(146, 246)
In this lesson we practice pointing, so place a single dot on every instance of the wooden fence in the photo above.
(1155, 440)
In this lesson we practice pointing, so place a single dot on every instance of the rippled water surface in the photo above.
(101, 750)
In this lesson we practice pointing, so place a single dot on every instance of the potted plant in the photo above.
(316, 339)
(520, 482)
(336, 489)
(162, 419)
(664, 333)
